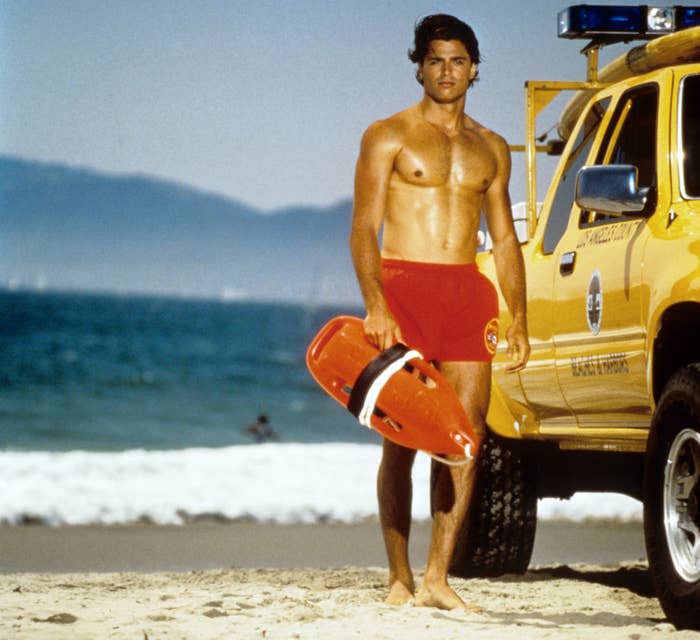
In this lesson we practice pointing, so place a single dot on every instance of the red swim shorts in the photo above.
(448, 312)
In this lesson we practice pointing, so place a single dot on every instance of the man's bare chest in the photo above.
(433, 159)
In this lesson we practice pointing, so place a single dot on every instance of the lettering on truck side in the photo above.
(596, 365)
(608, 233)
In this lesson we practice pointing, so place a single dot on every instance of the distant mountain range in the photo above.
(68, 228)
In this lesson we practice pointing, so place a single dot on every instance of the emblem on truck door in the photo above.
(594, 303)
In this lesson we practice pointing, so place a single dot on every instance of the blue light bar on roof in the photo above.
(687, 17)
(642, 21)
(585, 20)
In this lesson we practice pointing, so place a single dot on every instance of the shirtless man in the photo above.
(425, 174)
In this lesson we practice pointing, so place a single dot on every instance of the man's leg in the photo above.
(453, 489)
(395, 491)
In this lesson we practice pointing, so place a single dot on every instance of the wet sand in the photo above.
(145, 547)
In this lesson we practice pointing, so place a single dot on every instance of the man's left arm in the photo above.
(508, 257)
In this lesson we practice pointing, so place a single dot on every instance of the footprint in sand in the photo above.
(58, 618)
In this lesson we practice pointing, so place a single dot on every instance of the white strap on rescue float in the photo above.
(454, 463)
(376, 387)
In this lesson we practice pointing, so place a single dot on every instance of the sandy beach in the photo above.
(251, 580)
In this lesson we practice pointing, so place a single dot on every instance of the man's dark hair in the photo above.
(441, 26)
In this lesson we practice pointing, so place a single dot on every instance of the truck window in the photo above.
(690, 137)
(564, 196)
(631, 139)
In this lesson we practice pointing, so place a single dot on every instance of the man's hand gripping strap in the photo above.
(373, 377)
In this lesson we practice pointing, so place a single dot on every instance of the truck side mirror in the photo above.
(611, 189)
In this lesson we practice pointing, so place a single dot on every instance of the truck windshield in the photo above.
(690, 137)
(564, 196)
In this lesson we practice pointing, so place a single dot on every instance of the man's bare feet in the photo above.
(442, 596)
(399, 594)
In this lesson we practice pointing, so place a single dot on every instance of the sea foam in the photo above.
(268, 482)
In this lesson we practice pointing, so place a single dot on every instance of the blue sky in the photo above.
(261, 101)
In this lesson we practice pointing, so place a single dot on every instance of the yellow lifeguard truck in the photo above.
(610, 400)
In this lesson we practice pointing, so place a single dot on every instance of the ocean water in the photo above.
(112, 373)
(116, 409)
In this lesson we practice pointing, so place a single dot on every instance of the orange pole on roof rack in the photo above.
(538, 94)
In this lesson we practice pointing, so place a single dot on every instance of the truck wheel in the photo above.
(672, 499)
(499, 531)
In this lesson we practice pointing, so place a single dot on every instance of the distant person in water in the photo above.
(260, 430)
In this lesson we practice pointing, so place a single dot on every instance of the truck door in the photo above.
(599, 340)
(539, 379)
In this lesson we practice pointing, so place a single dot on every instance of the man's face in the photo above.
(447, 70)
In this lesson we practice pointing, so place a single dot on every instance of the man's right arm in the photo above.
(373, 172)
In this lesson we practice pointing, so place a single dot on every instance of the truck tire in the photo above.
(499, 531)
(672, 498)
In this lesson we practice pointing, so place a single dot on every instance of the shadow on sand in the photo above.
(634, 577)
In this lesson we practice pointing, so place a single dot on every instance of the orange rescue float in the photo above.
(394, 392)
